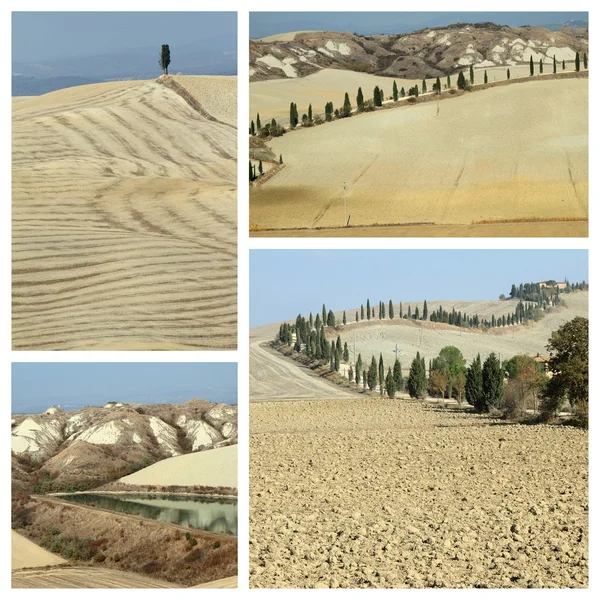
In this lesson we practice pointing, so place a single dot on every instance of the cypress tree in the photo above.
(346, 353)
(377, 96)
(585, 60)
(310, 117)
(258, 127)
(417, 380)
(563, 64)
(395, 90)
(260, 167)
(424, 86)
(390, 384)
(541, 66)
(448, 83)
(531, 65)
(460, 81)
(577, 61)
(252, 130)
(391, 310)
(281, 159)
(438, 85)
(381, 374)
(372, 374)
(485, 79)
(554, 64)
(360, 101)
(331, 319)
(251, 171)
(324, 315)
(359, 368)
(425, 310)
(471, 75)
(402, 93)
(344, 318)
(362, 313)
(382, 310)
(347, 110)
(398, 375)
(492, 380)
(368, 310)
(364, 379)
(474, 385)
(401, 315)
(507, 73)
(357, 316)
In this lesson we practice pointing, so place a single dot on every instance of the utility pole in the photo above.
(396, 351)
(344, 204)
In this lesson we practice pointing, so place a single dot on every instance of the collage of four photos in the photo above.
(405, 410)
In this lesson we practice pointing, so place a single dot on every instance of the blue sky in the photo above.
(52, 35)
(269, 23)
(287, 282)
(36, 386)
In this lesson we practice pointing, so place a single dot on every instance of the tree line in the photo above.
(511, 387)
(273, 129)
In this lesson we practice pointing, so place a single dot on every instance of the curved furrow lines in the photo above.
(124, 223)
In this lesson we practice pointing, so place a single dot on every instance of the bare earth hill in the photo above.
(96, 445)
(426, 53)
(124, 217)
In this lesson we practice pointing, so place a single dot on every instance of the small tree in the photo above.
(474, 385)
(461, 82)
(563, 64)
(164, 58)
(424, 86)
(417, 379)
(471, 75)
(585, 62)
(360, 100)
(507, 73)
(577, 61)
(281, 159)
(402, 93)
(258, 127)
(390, 384)
(485, 79)
(395, 92)
(492, 383)
(531, 65)
(347, 109)
(252, 130)
(541, 66)
(310, 115)
(398, 379)
(554, 64)
(448, 82)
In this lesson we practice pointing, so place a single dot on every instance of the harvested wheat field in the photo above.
(428, 338)
(84, 577)
(516, 152)
(124, 218)
(211, 468)
(396, 493)
(25, 554)
(271, 98)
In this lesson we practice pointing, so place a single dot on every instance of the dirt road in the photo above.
(272, 377)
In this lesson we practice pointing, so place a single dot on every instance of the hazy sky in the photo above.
(270, 23)
(46, 36)
(36, 385)
(288, 282)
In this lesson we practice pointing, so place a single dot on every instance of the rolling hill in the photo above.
(124, 217)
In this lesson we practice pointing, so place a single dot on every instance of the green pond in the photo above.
(204, 513)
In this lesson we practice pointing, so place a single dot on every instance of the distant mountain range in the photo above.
(213, 57)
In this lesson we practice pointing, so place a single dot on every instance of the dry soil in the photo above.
(395, 493)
